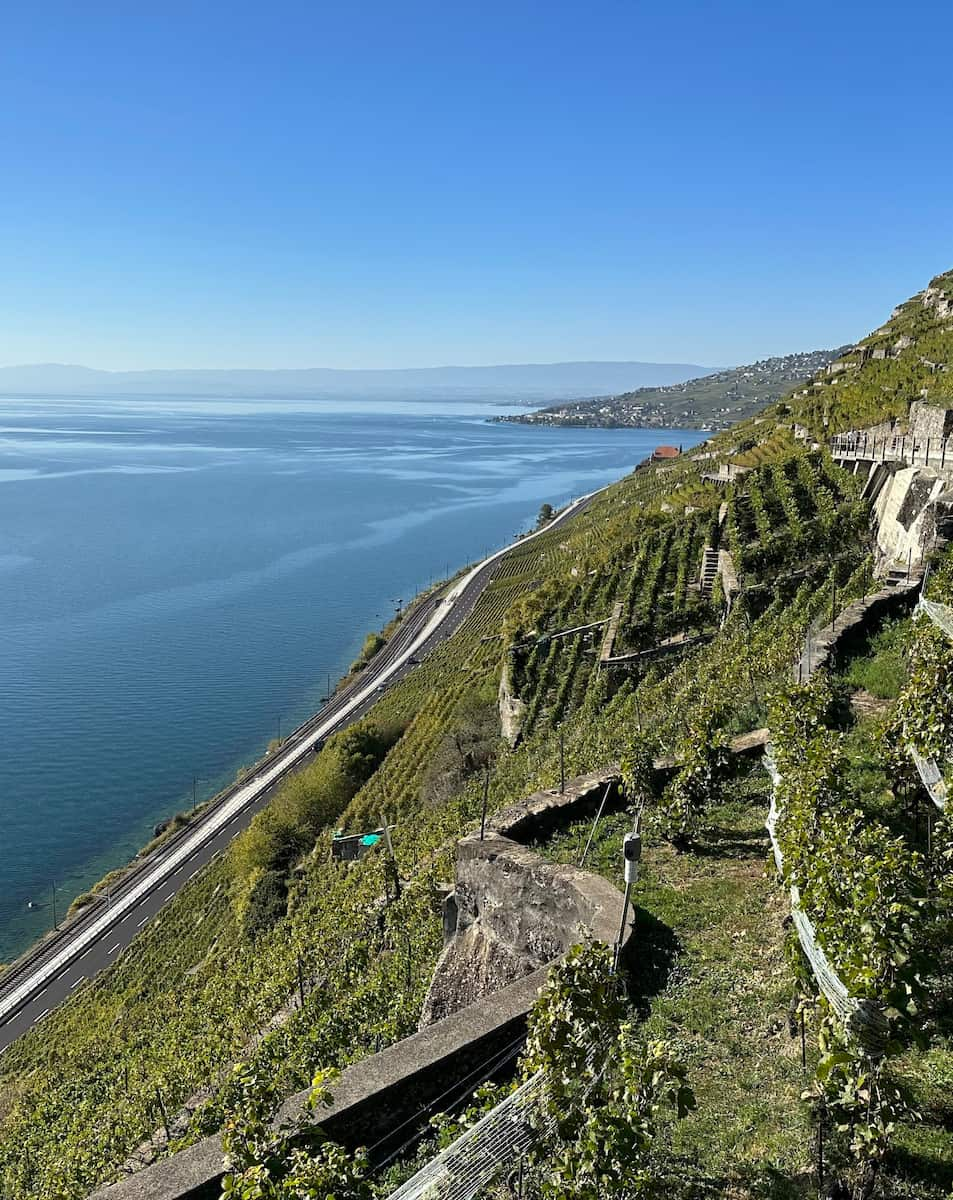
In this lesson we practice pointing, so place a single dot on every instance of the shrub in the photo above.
(311, 800)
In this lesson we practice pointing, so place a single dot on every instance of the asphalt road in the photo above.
(52, 970)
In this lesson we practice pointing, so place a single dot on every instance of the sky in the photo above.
(369, 184)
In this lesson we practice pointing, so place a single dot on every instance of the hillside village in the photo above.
(711, 402)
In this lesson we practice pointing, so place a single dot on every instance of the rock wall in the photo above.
(912, 509)
(515, 912)
(930, 421)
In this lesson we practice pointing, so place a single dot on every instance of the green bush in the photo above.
(311, 800)
(883, 671)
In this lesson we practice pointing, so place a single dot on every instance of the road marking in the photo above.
(40, 1016)
(85, 952)
(77, 983)
(142, 922)
(116, 947)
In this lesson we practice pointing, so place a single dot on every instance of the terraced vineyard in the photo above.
(289, 962)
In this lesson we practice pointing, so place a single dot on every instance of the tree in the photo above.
(546, 514)
(470, 746)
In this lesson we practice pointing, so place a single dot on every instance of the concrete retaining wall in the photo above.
(909, 512)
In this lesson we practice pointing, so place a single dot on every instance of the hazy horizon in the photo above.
(531, 381)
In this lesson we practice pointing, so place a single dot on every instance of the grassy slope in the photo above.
(713, 918)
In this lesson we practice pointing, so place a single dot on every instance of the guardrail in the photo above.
(892, 448)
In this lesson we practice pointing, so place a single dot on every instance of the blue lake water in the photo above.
(178, 576)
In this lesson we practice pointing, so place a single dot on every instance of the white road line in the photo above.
(142, 922)
(252, 791)
(77, 983)
(40, 1016)
(116, 947)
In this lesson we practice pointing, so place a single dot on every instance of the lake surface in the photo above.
(178, 576)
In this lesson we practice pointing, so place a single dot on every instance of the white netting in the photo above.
(497, 1141)
(502, 1137)
(864, 1018)
(940, 614)
(930, 776)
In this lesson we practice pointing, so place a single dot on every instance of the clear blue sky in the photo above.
(393, 184)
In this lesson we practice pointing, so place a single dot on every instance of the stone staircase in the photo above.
(709, 570)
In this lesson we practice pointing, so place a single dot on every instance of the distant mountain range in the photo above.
(714, 401)
(531, 383)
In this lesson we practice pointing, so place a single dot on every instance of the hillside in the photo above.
(714, 401)
(695, 602)
(909, 357)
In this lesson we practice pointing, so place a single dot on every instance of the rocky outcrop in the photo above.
(512, 911)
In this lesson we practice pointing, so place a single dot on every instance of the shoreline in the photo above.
(181, 821)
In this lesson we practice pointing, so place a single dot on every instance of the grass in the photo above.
(882, 670)
(710, 973)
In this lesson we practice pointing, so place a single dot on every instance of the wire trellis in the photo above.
(503, 1136)
(864, 1018)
